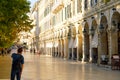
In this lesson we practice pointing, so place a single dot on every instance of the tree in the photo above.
(13, 19)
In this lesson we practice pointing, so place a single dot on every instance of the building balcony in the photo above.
(57, 6)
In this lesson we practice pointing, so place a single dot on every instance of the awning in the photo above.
(70, 43)
(95, 40)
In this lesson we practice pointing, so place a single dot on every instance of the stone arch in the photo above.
(70, 40)
(80, 30)
(115, 28)
(74, 30)
(80, 40)
(74, 48)
(86, 27)
(86, 42)
(93, 28)
(104, 22)
(116, 16)
(94, 24)
(62, 48)
(94, 41)
(103, 36)
(115, 20)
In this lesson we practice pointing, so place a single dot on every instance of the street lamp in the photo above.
(114, 25)
(101, 29)
(114, 9)
(69, 35)
(84, 31)
(92, 30)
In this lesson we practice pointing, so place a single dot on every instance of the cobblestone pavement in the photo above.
(47, 68)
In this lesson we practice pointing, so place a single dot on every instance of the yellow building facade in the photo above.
(82, 30)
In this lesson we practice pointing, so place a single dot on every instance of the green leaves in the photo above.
(13, 19)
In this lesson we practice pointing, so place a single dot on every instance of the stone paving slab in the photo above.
(47, 68)
(5, 67)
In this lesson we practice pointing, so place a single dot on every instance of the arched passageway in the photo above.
(86, 43)
(115, 36)
(103, 41)
(94, 42)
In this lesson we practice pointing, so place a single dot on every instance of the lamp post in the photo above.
(92, 31)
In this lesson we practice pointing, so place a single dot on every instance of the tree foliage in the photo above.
(13, 19)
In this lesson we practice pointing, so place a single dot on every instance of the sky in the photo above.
(32, 2)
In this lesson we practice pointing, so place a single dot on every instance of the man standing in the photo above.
(17, 64)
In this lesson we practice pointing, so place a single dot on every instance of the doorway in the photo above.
(95, 55)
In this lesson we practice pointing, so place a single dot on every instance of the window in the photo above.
(53, 20)
(65, 12)
(96, 1)
(62, 15)
(86, 4)
(79, 6)
(47, 10)
(69, 11)
(91, 2)
(73, 7)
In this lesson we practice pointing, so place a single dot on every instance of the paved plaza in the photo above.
(48, 68)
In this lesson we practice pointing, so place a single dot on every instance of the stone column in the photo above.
(112, 43)
(91, 51)
(72, 49)
(110, 46)
(58, 49)
(100, 51)
(84, 48)
(45, 50)
(78, 48)
(61, 48)
(66, 49)
(72, 53)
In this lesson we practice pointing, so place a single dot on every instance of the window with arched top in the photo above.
(85, 4)
(96, 1)
(93, 2)
(79, 6)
